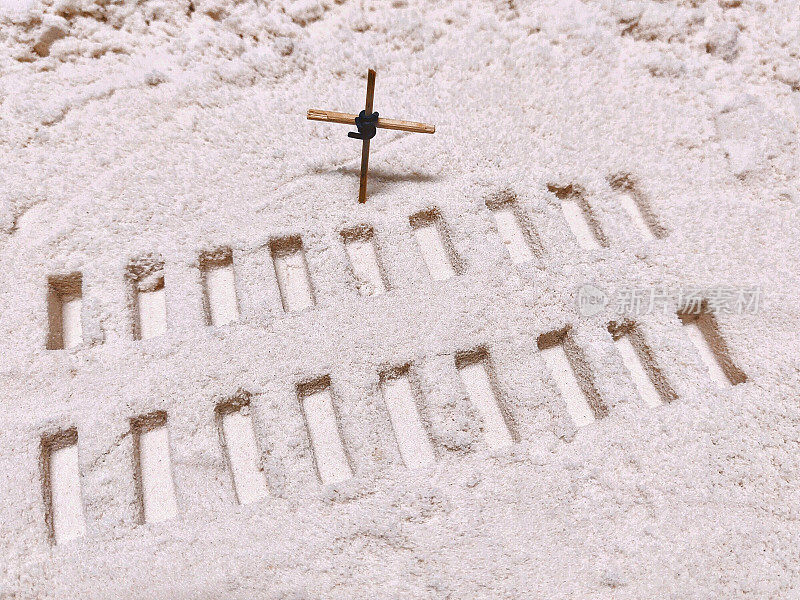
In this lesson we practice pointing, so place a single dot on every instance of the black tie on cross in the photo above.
(367, 126)
(367, 123)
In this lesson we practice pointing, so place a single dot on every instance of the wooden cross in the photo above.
(366, 122)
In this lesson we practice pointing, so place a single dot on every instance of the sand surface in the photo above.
(188, 288)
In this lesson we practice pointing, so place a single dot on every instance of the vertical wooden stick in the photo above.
(362, 184)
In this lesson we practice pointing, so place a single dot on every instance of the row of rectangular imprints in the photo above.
(406, 408)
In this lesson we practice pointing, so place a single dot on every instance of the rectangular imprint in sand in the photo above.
(291, 270)
(359, 243)
(706, 354)
(152, 312)
(64, 303)
(637, 206)
(412, 438)
(434, 244)
(241, 451)
(631, 207)
(322, 423)
(219, 284)
(153, 468)
(647, 391)
(477, 378)
(561, 371)
(571, 374)
(579, 216)
(702, 329)
(146, 278)
(638, 358)
(517, 235)
(62, 487)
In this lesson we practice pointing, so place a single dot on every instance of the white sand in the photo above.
(138, 137)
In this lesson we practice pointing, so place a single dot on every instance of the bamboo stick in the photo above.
(330, 116)
(362, 182)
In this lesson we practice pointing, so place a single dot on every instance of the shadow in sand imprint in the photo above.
(379, 178)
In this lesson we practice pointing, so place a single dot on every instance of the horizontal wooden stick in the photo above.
(330, 116)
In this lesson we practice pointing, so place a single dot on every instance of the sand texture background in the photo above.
(159, 130)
